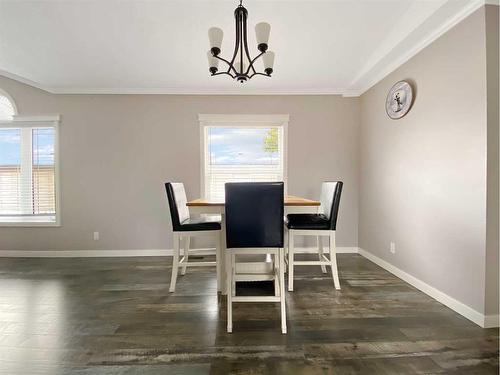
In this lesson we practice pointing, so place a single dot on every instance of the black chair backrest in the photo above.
(254, 214)
(177, 200)
(330, 201)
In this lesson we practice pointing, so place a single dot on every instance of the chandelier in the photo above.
(241, 66)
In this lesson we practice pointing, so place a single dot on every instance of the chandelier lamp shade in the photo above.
(241, 66)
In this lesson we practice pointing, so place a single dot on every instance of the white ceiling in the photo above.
(111, 46)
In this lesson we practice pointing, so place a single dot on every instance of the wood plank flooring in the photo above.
(115, 316)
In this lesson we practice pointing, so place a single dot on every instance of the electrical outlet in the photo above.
(393, 248)
(96, 236)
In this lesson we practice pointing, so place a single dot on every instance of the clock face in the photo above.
(399, 100)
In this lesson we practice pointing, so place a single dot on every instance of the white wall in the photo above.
(492, 229)
(423, 177)
(118, 150)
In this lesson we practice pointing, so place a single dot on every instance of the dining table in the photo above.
(201, 206)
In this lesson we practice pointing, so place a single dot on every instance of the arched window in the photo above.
(7, 107)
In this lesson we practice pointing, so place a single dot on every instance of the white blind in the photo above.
(27, 174)
(241, 154)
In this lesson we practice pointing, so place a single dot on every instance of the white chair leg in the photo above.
(281, 257)
(229, 276)
(233, 272)
(218, 262)
(187, 241)
(223, 251)
(175, 263)
(276, 265)
(285, 254)
(320, 252)
(333, 261)
(290, 260)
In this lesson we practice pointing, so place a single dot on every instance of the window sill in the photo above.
(20, 221)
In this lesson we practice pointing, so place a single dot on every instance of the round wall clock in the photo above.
(399, 100)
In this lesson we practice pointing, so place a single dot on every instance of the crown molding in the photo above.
(368, 80)
(180, 91)
(410, 21)
(26, 81)
(351, 93)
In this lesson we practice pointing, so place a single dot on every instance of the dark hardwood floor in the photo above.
(115, 316)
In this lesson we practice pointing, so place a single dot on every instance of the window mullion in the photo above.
(26, 186)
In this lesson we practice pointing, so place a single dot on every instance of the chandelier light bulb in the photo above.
(215, 36)
(268, 59)
(262, 31)
(213, 63)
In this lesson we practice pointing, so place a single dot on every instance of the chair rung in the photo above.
(201, 252)
(253, 277)
(198, 264)
(256, 299)
(311, 263)
(253, 267)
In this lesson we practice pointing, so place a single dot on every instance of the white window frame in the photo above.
(242, 121)
(25, 122)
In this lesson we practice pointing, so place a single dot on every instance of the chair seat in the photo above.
(201, 223)
(308, 221)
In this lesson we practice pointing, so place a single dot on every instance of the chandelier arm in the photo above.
(259, 74)
(219, 73)
(230, 66)
(252, 62)
(243, 38)
(245, 42)
(223, 59)
(236, 44)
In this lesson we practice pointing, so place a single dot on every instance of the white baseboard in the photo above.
(488, 321)
(121, 253)
(347, 250)
(83, 253)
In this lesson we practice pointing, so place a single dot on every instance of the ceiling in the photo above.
(111, 46)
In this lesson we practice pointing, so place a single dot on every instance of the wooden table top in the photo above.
(290, 200)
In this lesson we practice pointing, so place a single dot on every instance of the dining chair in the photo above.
(185, 227)
(254, 225)
(322, 224)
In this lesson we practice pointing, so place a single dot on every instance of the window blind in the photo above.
(241, 154)
(27, 174)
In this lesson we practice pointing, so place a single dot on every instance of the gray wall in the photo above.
(118, 150)
(423, 177)
(492, 243)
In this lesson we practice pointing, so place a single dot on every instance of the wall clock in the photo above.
(399, 100)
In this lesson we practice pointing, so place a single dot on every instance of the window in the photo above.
(241, 148)
(7, 109)
(28, 169)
